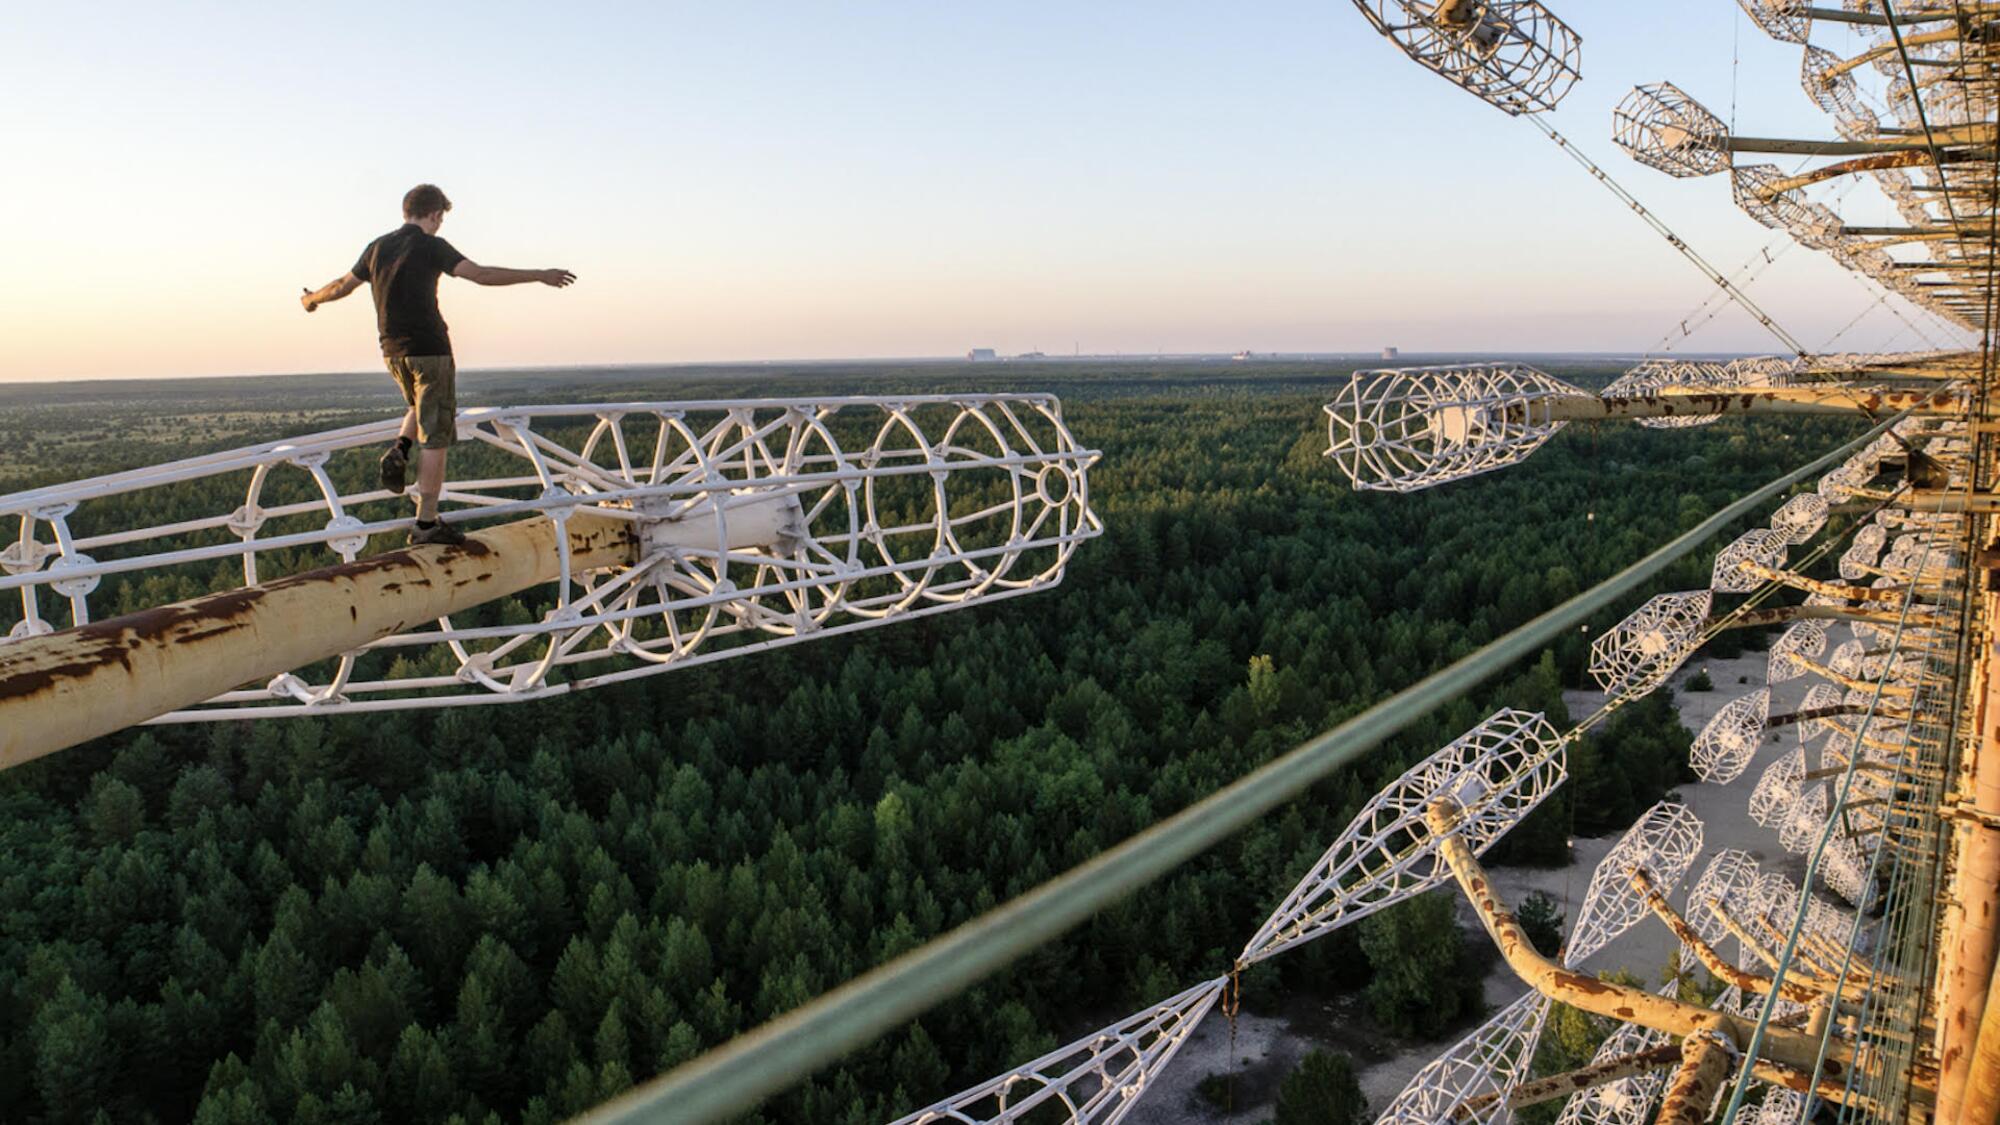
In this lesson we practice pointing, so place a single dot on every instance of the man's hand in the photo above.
(332, 291)
(556, 278)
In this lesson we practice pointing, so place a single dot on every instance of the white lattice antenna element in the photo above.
(1497, 772)
(1637, 655)
(1844, 866)
(1727, 742)
(1858, 561)
(1665, 842)
(1413, 428)
(1628, 1101)
(1096, 1080)
(1652, 376)
(1755, 189)
(1801, 517)
(1782, 20)
(1801, 641)
(1777, 789)
(1757, 547)
(1802, 827)
(1493, 1059)
(1819, 697)
(1846, 658)
(1729, 881)
(1843, 481)
(757, 523)
(1662, 127)
(1512, 54)
(1779, 1107)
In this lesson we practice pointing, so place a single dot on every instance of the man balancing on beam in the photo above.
(403, 267)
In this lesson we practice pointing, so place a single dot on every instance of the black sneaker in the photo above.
(439, 534)
(395, 469)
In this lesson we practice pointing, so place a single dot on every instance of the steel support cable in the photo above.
(1667, 233)
(737, 1075)
(1789, 955)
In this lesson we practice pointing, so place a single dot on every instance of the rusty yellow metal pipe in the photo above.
(1699, 403)
(1982, 1086)
(1788, 1051)
(1705, 953)
(1705, 1059)
(68, 687)
(1972, 923)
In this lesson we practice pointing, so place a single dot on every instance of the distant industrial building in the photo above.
(1388, 353)
(982, 355)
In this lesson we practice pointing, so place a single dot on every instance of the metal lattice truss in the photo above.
(1801, 517)
(1635, 656)
(1655, 375)
(1727, 742)
(1492, 1060)
(1740, 567)
(1665, 842)
(1093, 1081)
(1662, 127)
(1497, 772)
(758, 523)
(1802, 641)
(1413, 428)
(1512, 54)
(1777, 789)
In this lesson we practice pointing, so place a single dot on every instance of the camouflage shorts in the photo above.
(429, 383)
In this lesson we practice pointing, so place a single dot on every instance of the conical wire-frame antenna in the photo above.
(1800, 642)
(1730, 738)
(1777, 789)
(1738, 566)
(1096, 1080)
(1801, 517)
(1407, 429)
(1662, 127)
(1512, 54)
(1637, 655)
(1498, 772)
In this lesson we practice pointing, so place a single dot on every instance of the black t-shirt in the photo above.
(403, 267)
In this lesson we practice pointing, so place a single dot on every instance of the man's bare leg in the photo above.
(410, 424)
(430, 482)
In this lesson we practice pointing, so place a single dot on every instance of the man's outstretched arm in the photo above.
(500, 275)
(332, 291)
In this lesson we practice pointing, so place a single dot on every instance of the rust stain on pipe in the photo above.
(64, 688)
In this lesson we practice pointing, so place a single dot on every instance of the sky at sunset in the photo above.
(738, 181)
